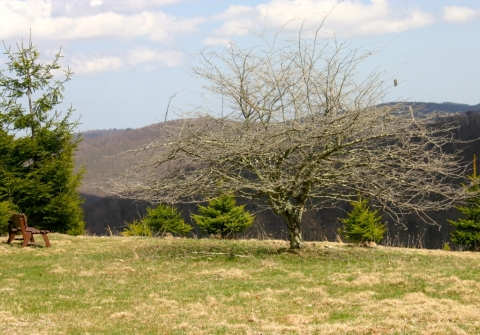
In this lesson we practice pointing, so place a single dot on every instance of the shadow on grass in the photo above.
(40, 245)
(238, 249)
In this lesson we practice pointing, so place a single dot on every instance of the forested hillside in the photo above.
(105, 153)
(108, 153)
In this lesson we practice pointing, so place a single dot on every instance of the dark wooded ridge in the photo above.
(98, 154)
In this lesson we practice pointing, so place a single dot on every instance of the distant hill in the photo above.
(102, 132)
(105, 153)
(100, 151)
(445, 107)
(108, 153)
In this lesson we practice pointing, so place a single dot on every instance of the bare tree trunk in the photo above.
(294, 219)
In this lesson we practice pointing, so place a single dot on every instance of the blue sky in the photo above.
(130, 56)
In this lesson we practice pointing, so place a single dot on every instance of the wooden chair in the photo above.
(18, 225)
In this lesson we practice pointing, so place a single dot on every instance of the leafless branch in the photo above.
(305, 131)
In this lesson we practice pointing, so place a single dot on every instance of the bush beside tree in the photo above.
(223, 217)
(362, 225)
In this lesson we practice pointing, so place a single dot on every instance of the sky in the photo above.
(130, 56)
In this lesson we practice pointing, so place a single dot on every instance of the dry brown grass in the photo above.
(131, 285)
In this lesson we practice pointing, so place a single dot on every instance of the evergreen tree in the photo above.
(467, 233)
(137, 228)
(166, 219)
(363, 225)
(6, 210)
(37, 143)
(223, 217)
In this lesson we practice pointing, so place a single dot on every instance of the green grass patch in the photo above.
(140, 285)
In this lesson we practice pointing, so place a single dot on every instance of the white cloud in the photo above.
(154, 59)
(459, 14)
(235, 11)
(88, 65)
(74, 8)
(18, 17)
(95, 3)
(217, 41)
(141, 58)
(347, 17)
(108, 27)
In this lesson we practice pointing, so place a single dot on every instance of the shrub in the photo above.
(363, 225)
(166, 219)
(137, 228)
(6, 210)
(223, 217)
(467, 233)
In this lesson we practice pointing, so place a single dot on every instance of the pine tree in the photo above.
(137, 228)
(166, 219)
(38, 143)
(363, 225)
(223, 217)
(6, 210)
(467, 233)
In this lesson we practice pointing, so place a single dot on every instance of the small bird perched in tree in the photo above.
(395, 82)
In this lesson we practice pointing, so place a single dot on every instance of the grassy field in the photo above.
(119, 285)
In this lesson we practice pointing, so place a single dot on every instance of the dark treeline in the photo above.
(112, 214)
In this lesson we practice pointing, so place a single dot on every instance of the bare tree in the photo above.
(303, 131)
